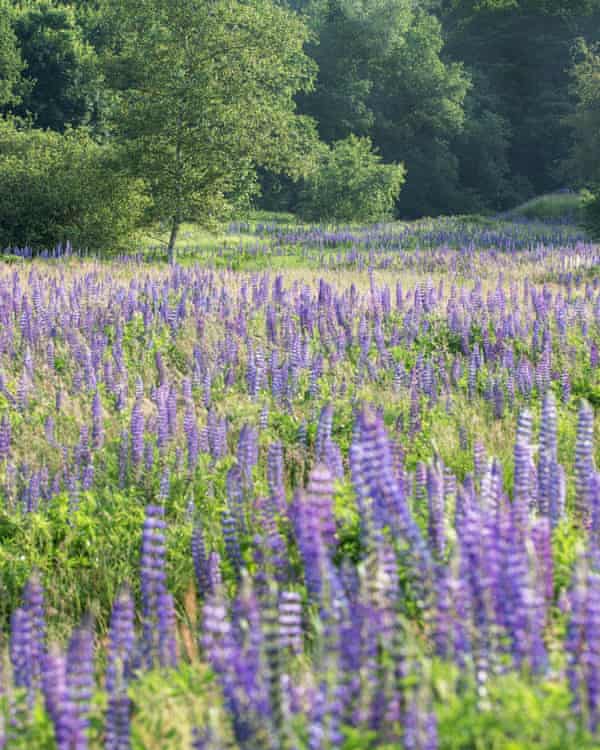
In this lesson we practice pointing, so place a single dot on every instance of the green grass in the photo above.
(554, 207)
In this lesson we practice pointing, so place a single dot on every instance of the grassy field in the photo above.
(555, 207)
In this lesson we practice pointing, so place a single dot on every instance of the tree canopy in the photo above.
(205, 96)
(213, 104)
(65, 86)
(11, 62)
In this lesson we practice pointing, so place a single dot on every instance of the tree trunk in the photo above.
(177, 213)
(173, 240)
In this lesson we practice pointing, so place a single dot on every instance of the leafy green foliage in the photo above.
(63, 188)
(519, 52)
(419, 98)
(382, 74)
(592, 214)
(205, 96)
(65, 82)
(11, 64)
(514, 715)
(585, 155)
(351, 184)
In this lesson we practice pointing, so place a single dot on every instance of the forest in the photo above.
(147, 111)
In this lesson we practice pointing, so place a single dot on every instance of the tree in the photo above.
(65, 81)
(349, 39)
(382, 74)
(351, 184)
(418, 99)
(11, 63)
(206, 95)
(584, 162)
(484, 181)
(64, 188)
(518, 52)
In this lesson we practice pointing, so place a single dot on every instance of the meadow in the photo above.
(311, 487)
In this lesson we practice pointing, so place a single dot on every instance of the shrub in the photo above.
(351, 184)
(63, 188)
(592, 213)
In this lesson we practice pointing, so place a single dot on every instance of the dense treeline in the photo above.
(474, 97)
(200, 107)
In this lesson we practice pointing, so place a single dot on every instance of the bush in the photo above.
(351, 184)
(64, 188)
(592, 213)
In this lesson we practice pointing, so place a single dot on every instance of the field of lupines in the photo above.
(324, 489)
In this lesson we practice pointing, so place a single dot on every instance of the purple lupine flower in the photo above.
(323, 432)
(541, 535)
(200, 559)
(591, 655)
(479, 459)
(420, 727)
(435, 494)
(548, 451)
(302, 434)
(442, 623)
(594, 501)
(263, 420)
(310, 542)
(272, 654)
(97, 422)
(247, 455)
(221, 651)
(319, 496)
(235, 498)
(290, 621)
(87, 480)
(21, 651)
(583, 662)
(584, 462)
(333, 458)
(214, 572)
(164, 489)
(232, 545)
(594, 355)
(204, 739)
(33, 604)
(80, 683)
(275, 476)
(522, 482)
(172, 411)
(56, 698)
(271, 555)
(190, 428)
(121, 640)
(5, 438)
(49, 430)
(137, 434)
(153, 578)
(374, 470)
(167, 628)
(162, 422)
